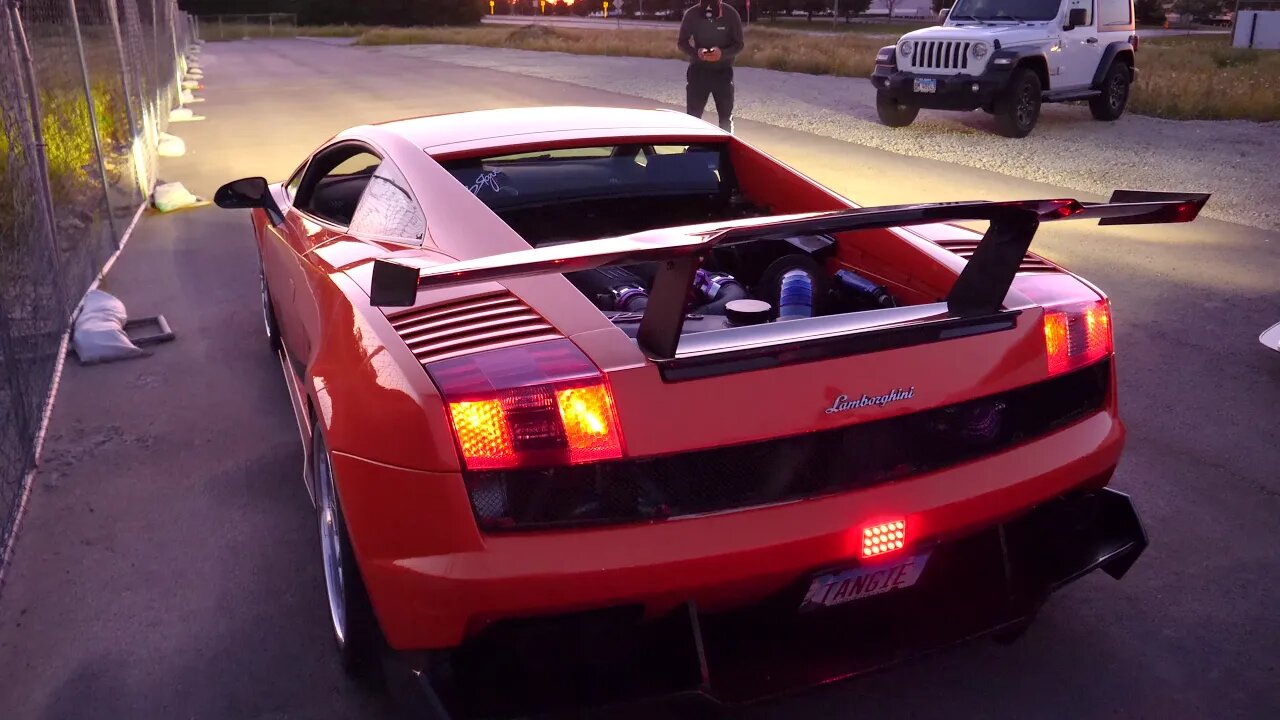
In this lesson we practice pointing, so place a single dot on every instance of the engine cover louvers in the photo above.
(484, 322)
(965, 248)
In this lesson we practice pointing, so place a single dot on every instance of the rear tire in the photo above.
(1111, 103)
(354, 626)
(1018, 107)
(894, 113)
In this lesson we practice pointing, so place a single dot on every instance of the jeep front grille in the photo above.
(783, 469)
(940, 55)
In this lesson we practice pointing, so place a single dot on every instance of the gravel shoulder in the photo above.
(1236, 160)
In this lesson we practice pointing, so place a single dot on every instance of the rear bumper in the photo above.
(720, 562)
(986, 581)
(954, 92)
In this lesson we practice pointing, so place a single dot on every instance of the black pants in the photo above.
(717, 82)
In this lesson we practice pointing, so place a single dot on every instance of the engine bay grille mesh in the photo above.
(483, 322)
(784, 469)
(965, 248)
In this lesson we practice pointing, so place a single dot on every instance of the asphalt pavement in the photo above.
(169, 567)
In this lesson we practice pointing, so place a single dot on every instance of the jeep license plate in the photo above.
(926, 85)
(837, 588)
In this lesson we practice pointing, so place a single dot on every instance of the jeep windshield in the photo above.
(1006, 10)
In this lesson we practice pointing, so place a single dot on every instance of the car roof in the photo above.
(469, 131)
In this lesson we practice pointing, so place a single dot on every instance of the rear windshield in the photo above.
(545, 177)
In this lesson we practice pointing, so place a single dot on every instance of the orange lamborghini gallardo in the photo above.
(603, 404)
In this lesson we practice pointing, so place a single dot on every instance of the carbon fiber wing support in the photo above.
(980, 289)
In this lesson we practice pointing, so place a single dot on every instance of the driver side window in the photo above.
(333, 183)
(1087, 6)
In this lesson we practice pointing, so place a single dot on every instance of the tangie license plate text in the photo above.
(860, 582)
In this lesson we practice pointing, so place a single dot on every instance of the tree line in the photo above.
(364, 12)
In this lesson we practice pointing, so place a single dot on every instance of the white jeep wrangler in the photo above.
(1009, 56)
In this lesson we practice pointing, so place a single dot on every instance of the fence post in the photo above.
(172, 13)
(93, 119)
(113, 16)
(271, 28)
(42, 160)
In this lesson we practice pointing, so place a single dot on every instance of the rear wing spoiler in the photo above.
(980, 289)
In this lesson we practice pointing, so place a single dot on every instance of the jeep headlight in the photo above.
(979, 50)
(905, 47)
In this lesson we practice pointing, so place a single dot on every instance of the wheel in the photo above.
(268, 311)
(354, 626)
(1115, 94)
(894, 113)
(1018, 107)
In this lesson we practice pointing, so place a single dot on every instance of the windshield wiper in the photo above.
(971, 17)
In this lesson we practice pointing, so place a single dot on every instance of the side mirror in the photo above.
(1271, 338)
(1076, 17)
(943, 14)
(250, 192)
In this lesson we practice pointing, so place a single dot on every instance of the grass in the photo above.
(68, 136)
(766, 47)
(1203, 77)
(1180, 77)
(824, 24)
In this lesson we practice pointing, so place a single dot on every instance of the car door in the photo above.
(1080, 49)
(321, 209)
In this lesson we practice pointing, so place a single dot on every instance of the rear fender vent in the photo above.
(474, 324)
(965, 248)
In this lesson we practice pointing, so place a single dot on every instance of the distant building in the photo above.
(903, 8)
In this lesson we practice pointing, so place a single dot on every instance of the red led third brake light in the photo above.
(536, 405)
(884, 538)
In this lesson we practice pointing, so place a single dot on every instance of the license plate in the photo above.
(844, 586)
(926, 85)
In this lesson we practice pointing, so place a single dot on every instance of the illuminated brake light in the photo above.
(536, 405)
(482, 432)
(1076, 335)
(589, 425)
(884, 538)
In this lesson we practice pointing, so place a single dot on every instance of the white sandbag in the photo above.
(183, 115)
(174, 196)
(195, 76)
(186, 97)
(190, 85)
(171, 146)
(99, 331)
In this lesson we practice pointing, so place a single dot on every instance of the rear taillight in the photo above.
(1076, 335)
(535, 405)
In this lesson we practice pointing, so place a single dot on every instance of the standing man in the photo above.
(711, 35)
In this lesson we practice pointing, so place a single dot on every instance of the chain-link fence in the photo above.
(86, 86)
(245, 27)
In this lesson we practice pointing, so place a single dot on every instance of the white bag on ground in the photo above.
(99, 331)
(171, 146)
(183, 115)
(174, 196)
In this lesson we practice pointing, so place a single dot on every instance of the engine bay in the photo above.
(568, 195)
(747, 283)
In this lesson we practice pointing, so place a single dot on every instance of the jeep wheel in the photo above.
(1018, 107)
(894, 113)
(1115, 94)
